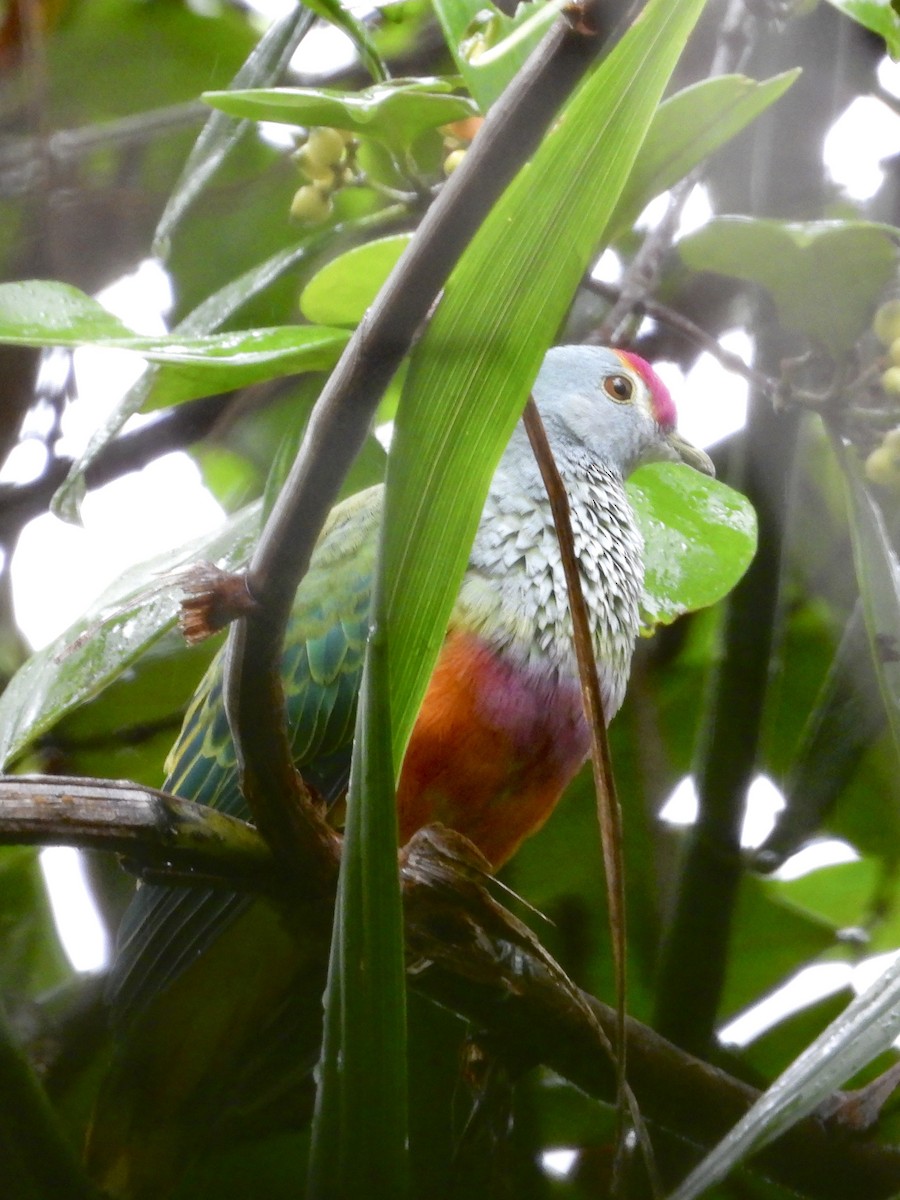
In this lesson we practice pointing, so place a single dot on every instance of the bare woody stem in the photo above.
(151, 829)
(340, 423)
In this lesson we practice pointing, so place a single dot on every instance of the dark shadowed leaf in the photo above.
(824, 276)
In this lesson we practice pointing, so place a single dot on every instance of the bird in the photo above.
(501, 732)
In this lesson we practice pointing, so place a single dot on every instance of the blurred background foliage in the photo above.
(792, 679)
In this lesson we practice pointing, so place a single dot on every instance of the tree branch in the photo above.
(765, 384)
(150, 828)
(472, 956)
(337, 429)
(467, 953)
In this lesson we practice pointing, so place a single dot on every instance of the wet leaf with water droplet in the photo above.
(699, 534)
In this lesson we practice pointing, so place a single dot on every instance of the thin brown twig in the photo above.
(608, 810)
(696, 333)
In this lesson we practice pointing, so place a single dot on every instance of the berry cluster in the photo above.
(457, 137)
(322, 159)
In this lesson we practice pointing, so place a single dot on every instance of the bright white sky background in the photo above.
(166, 504)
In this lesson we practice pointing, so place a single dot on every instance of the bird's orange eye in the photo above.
(619, 388)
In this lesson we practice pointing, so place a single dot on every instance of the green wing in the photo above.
(166, 928)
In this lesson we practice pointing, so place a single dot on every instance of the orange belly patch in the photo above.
(494, 746)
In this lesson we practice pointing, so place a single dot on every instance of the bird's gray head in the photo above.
(612, 404)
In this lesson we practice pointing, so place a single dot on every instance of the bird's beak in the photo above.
(683, 450)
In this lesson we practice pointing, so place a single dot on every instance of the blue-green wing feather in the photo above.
(167, 928)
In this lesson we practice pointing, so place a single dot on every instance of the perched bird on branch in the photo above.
(500, 734)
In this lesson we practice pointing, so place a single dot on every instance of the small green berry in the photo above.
(313, 170)
(311, 205)
(890, 381)
(887, 322)
(452, 161)
(883, 468)
(325, 146)
(892, 440)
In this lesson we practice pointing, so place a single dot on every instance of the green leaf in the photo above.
(865, 1029)
(687, 128)
(395, 113)
(878, 15)
(490, 46)
(770, 939)
(36, 313)
(841, 894)
(699, 534)
(359, 1144)
(847, 716)
(161, 385)
(825, 276)
(341, 292)
(127, 619)
(500, 309)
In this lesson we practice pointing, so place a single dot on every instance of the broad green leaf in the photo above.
(841, 894)
(395, 113)
(220, 135)
(362, 1103)
(769, 941)
(825, 276)
(36, 313)
(127, 619)
(865, 1029)
(687, 128)
(54, 314)
(341, 292)
(699, 534)
(502, 305)
(161, 385)
(489, 45)
(880, 16)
